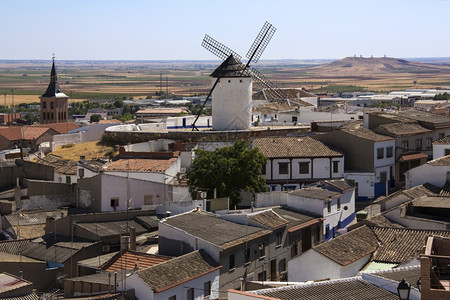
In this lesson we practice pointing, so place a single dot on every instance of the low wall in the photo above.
(112, 138)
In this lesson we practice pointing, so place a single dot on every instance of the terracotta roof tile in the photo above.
(414, 156)
(15, 133)
(60, 128)
(443, 141)
(130, 259)
(140, 165)
(339, 289)
(400, 129)
(315, 193)
(349, 247)
(268, 218)
(440, 162)
(398, 245)
(178, 270)
(293, 147)
(213, 229)
(356, 128)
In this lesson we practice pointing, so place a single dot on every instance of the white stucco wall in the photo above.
(117, 187)
(271, 199)
(231, 104)
(312, 265)
(365, 183)
(142, 291)
(315, 206)
(436, 175)
(398, 215)
(439, 150)
(386, 161)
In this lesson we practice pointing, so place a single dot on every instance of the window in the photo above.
(43, 116)
(263, 170)
(148, 199)
(247, 255)
(389, 151)
(52, 105)
(429, 142)
(51, 114)
(419, 144)
(262, 250)
(68, 180)
(283, 168)
(81, 173)
(207, 289)
(327, 231)
(380, 153)
(329, 206)
(262, 276)
(173, 298)
(190, 294)
(282, 265)
(44, 105)
(405, 145)
(232, 263)
(303, 167)
(279, 238)
(383, 177)
(339, 203)
(294, 249)
(335, 167)
(114, 202)
(294, 119)
(446, 152)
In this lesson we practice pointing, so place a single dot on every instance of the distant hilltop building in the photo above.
(54, 106)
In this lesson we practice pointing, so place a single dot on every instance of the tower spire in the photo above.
(53, 76)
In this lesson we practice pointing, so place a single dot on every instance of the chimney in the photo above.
(132, 238)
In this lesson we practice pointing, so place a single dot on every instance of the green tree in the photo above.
(96, 118)
(229, 171)
(31, 118)
(118, 103)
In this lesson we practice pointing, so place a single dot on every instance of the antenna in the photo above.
(253, 55)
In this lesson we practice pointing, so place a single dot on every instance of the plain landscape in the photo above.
(84, 80)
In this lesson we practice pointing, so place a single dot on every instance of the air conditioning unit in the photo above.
(106, 248)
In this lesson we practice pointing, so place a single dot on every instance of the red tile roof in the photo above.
(414, 156)
(130, 259)
(140, 165)
(60, 127)
(15, 133)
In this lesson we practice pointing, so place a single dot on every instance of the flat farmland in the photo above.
(82, 80)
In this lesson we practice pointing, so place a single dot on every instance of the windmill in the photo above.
(233, 67)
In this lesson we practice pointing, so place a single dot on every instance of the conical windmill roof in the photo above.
(231, 67)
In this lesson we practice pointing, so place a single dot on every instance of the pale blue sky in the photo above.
(173, 30)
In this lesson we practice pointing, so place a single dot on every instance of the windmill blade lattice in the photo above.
(261, 42)
(218, 49)
(273, 92)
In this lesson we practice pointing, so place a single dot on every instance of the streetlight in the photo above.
(403, 290)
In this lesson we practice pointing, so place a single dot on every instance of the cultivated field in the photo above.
(138, 79)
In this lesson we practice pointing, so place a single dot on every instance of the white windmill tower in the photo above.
(233, 83)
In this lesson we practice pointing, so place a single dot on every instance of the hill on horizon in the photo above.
(369, 65)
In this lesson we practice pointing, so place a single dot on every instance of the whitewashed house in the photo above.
(441, 147)
(435, 172)
(191, 276)
(341, 257)
(369, 158)
(296, 161)
(332, 200)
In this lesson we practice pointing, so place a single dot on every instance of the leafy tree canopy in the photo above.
(96, 118)
(229, 170)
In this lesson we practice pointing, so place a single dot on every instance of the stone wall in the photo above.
(112, 138)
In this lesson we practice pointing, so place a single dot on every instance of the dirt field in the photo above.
(82, 80)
